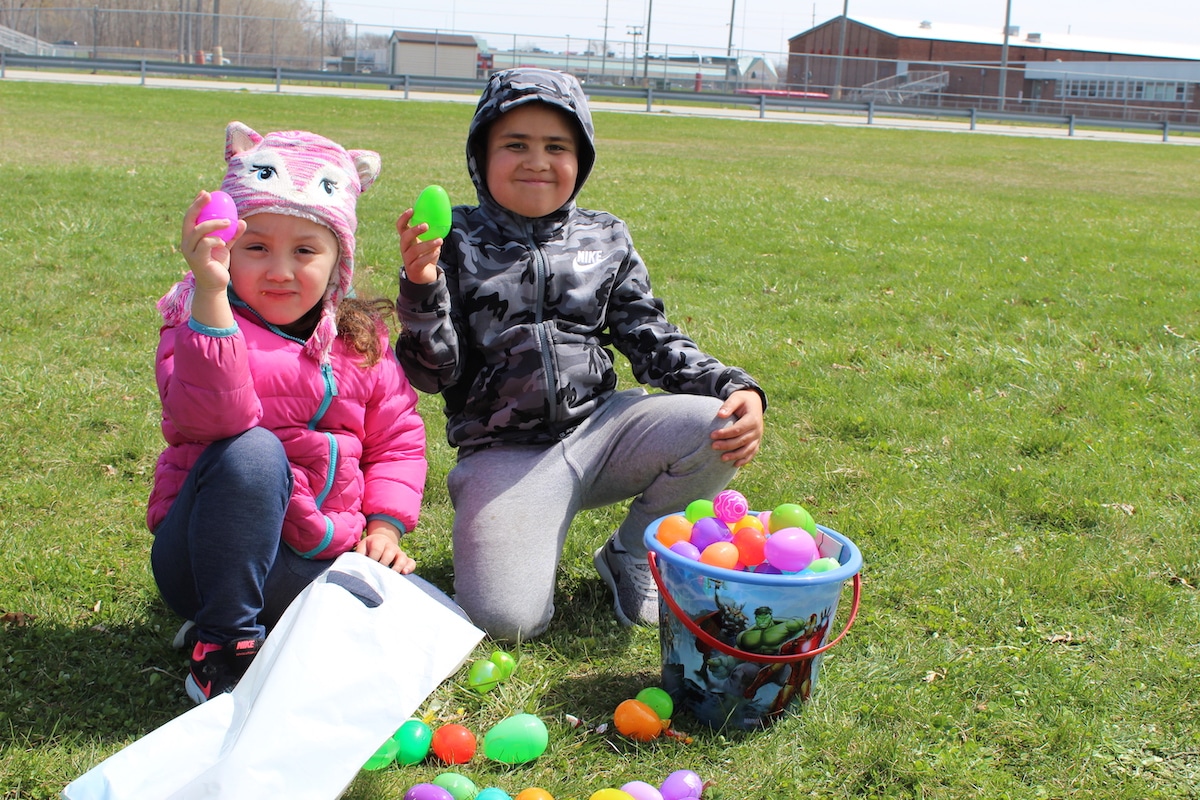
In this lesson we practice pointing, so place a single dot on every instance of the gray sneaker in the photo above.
(635, 597)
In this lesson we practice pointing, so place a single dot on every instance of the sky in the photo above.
(760, 26)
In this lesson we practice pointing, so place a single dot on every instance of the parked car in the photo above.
(67, 43)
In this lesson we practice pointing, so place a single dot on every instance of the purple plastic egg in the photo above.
(427, 791)
(682, 784)
(687, 550)
(709, 530)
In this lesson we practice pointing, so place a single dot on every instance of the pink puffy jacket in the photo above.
(352, 435)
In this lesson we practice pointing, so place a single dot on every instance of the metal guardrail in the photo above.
(408, 83)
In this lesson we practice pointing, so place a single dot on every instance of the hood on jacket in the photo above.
(511, 88)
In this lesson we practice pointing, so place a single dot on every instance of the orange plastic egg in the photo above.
(720, 554)
(534, 793)
(748, 521)
(637, 720)
(673, 529)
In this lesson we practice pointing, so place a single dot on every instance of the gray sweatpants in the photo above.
(513, 505)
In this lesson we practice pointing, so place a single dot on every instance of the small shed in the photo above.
(436, 54)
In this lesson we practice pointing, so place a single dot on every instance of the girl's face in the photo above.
(282, 265)
(532, 161)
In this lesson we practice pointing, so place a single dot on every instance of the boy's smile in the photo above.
(532, 163)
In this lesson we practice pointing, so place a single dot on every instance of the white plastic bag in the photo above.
(351, 659)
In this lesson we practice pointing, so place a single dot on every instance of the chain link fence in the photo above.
(320, 43)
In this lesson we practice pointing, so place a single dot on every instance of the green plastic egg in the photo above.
(459, 786)
(658, 700)
(412, 742)
(432, 208)
(516, 740)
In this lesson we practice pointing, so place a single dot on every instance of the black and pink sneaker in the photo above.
(216, 669)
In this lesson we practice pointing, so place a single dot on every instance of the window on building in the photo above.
(1117, 89)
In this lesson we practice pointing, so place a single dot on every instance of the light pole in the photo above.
(837, 72)
(1004, 54)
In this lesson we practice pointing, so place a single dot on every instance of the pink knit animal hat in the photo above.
(299, 174)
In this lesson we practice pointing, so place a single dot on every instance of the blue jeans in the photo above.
(218, 557)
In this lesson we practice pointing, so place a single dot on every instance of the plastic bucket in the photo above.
(739, 649)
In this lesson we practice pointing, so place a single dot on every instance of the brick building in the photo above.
(947, 64)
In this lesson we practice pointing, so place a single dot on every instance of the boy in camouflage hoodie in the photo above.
(510, 318)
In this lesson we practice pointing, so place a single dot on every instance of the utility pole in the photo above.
(646, 60)
(841, 56)
(1004, 54)
(635, 31)
(729, 49)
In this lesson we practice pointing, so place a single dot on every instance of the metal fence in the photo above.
(760, 103)
(317, 44)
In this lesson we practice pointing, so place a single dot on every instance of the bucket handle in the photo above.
(729, 650)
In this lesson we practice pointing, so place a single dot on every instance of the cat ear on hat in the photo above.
(367, 163)
(239, 138)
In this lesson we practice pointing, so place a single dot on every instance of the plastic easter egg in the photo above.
(751, 546)
(460, 787)
(516, 740)
(824, 564)
(428, 791)
(707, 530)
(432, 208)
(385, 755)
(687, 550)
(682, 784)
(659, 701)
(611, 794)
(791, 549)
(720, 554)
(730, 506)
(791, 515)
(767, 568)
(483, 676)
(748, 521)
(534, 793)
(640, 790)
(637, 720)
(412, 742)
(453, 744)
(675, 528)
(492, 793)
(504, 663)
(698, 509)
(220, 206)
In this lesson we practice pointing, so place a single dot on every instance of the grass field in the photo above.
(980, 354)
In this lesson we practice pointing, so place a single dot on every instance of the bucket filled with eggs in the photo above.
(747, 603)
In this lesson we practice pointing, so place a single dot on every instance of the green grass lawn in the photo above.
(980, 354)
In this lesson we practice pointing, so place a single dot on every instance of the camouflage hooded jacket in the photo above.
(516, 330)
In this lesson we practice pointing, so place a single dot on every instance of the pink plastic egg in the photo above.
(220, 206)
(790, 549)
(730, 506)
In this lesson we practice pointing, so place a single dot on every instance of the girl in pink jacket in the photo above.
(292, 433)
